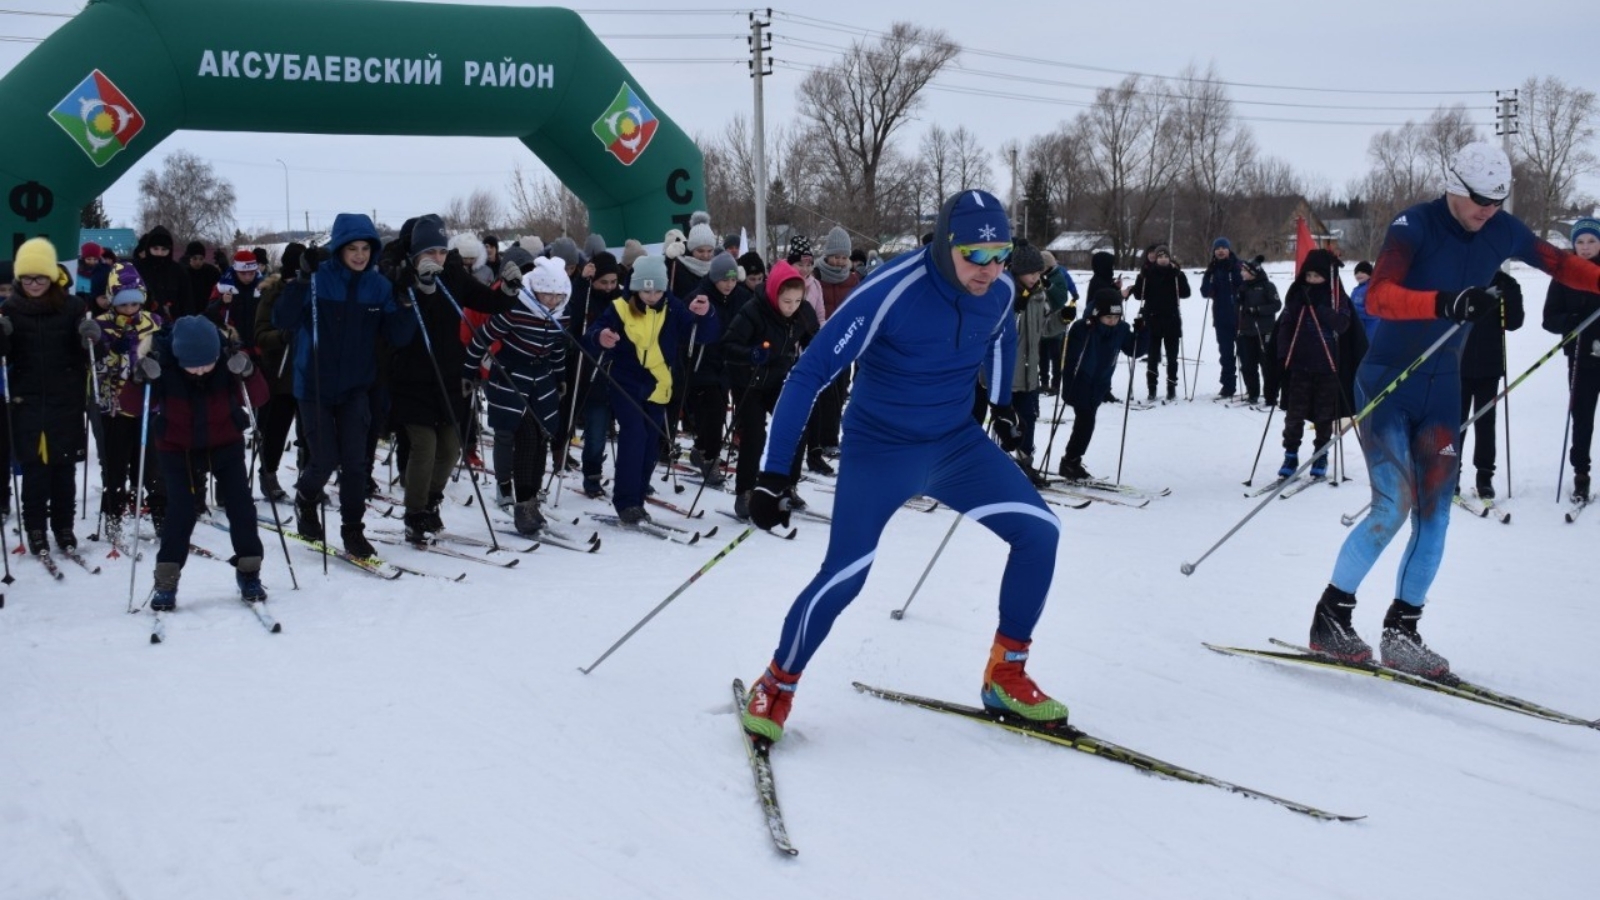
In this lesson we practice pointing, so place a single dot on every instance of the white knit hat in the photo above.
(1480, 168)
(549, 276)
(468, 246)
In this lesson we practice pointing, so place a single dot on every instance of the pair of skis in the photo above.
(655, 529)
(158, 625)
(758, 752)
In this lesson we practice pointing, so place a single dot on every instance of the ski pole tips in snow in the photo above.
(1187, 568)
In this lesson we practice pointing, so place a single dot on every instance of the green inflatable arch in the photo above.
(124, 74)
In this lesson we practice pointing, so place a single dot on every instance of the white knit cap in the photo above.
(468, 246)
(701, 236)
(549, 276)
(1481, 168)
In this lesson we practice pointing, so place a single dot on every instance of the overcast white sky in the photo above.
(1423, 53)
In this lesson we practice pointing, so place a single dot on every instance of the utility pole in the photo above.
(1014, 198)
(1506, 126)
(760, 68)
(288, 223)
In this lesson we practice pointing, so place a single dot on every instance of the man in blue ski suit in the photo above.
(917, 330)
(1432, 275)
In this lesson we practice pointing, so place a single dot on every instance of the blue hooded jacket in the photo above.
(344, 313)
(917, 340)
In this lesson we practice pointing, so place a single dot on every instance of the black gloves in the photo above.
(1069, 312)
(1469, 305)
(769, 502)
(239, 364)
(1006, 427)
(309, 260)
(1510, 291)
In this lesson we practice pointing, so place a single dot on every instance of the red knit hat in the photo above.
(245, 261)
(91, 249)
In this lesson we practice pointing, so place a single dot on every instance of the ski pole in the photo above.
(250, 410)
(1188, 568)
(901, 612)
(721, 554)
(1200, 352)
(11, 454)
(1127, 406)
(317, 410)
(1566, 432)
(1504, 369)
(16, 489)
(138, 493)
(1271, 410)
(450, 411)
(96, 426)
(1510, 387)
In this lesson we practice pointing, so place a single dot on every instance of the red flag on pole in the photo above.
(1303, 242)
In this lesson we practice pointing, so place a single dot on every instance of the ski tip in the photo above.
(711, 533)
(155, 638)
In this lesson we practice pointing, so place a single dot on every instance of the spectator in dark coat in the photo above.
(1092, 348)
(1159, 287)
(1258, 320)
(1220, 284)
(1315, 314)
(165, 280)
(1483, 364)
(273, 349)
(1564, 310)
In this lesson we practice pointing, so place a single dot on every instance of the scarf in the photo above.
(832, 274)
(698, 266)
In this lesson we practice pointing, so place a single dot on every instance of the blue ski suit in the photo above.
(917, 341)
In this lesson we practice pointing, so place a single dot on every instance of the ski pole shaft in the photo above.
(250, 410)
(721, 554)
(1188, 568)
(138, 492)
(1200, 352)
(901, 612)
(1127, 406)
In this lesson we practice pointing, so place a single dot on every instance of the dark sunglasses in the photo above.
(982, 255)
(1476, 197)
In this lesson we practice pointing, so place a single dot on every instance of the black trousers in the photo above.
(183, 475)
(1476, 394)
(338, 439)
(1585, 393)
(49, 495)
(1164, 335)
(1082, 429)
(275, 418)
(710, 404)
(1259, 366)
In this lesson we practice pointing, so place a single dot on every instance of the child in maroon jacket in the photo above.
(198, 424)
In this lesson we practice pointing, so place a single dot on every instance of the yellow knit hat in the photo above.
(38, 257)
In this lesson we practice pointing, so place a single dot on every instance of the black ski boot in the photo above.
(1172, 391)
(1485, 484)
(271, 489)
(66, 540)
(1331, 631)
(527, 518)
(38, 543)
(434, 523)
(1072, 469)
(1402, 646)
(307, 521)
(417, 528)
(164, 597)
(355, 541)
(248, 577)
(1580, 487)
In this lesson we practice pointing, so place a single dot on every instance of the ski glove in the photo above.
(240, 365)
(89, 330)
(1469, 305)
(309, 260)
(1509, 289)
(510, 277)
(1006, 427)
(149, 369)
(1069, 312)
(769, 502)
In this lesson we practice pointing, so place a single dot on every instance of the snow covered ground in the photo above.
(419, 739)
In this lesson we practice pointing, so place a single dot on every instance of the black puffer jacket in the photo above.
(706, 363)
(165, 280)
(1258, 308)
(413, 387)
(757, 323)
(48, 378)
(1160, 288)
(1565, 309)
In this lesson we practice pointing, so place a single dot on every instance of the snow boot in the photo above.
(307, 521)
(711, 474)
(432, 521)
(741, 506)
(633, 515)
(354, 537)
(1291, 464)
(1152, 381)
(1009, 692)
(1402, 646)
(164, 596)
(527, 518)
(796, 502)
(1172, 391)
(271, 489)
(1580, 487)
(503, 496)
(1072, 469)
(248, 578)
(417, 528)
(38, 544)
(593, 489)
(66, 540)
(1486, 484)
(1331, 632)
(816, 463)
(1319, 466)
(767, 707)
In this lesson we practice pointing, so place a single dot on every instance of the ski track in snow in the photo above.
(423, 739)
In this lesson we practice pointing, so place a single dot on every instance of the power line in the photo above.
(836, 27)
(29, 12)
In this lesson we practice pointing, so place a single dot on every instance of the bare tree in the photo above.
(544, 206)
(480, 211)
(1408, 165)
(1061, 156)
(1555, 129)
(934, 159)
(1217, 149)
(856, 105)
(188, 197)
(1134, 157)
(969, 161)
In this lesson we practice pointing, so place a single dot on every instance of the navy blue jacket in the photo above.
(1092, 348)
(348, 310)
(1221, 283)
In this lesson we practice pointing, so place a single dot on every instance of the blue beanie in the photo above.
(195, 342)
(1585, 225)
(978, 217)
(1220, 243)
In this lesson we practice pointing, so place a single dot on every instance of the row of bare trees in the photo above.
(1150, 159)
